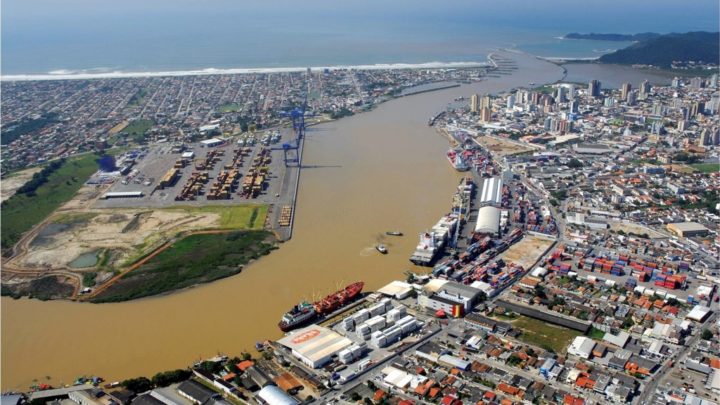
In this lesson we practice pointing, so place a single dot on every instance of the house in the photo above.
(195, 392)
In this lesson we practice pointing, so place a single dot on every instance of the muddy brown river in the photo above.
(377, 171)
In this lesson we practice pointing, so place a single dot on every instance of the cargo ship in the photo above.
(457, 160)
(300, 315)
(305, 313)
(432, 243)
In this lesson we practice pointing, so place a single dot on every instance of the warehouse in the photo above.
(123, 194)
(687, 229)
(397, 289)
(699, 313)
(488, 221)
(591, 149)
(315, 345)
(453, 298)
(209, 143)
(272, 395)
(582, 347)
(491, 191)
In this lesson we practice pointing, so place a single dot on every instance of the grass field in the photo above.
(21, 212)
(136, 129)
(706, 167)
(230, 107)
(246, 216)
(193, 260)
(544, 335)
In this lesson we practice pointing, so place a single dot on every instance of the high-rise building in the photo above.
(697, 83)
(474, 103)
(485, 102)
(681, 125)
(645, 88)
(560, 94)
(676, 82)
(571, 91)
(510, 101)
(594, 88)
(574, 106)
(631, 97)
(706, 137)
(624, 90)
(534, 97)
(714, 80)
(485, 114)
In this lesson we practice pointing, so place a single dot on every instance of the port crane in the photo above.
(291, 154)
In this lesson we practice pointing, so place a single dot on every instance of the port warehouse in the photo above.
(488, 221)
(123, 194)
(491, 191)
(315, 345)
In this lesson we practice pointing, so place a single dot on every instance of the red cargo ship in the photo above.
(338, 299)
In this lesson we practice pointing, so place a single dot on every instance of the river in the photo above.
(377, 171)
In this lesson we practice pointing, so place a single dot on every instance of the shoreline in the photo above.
(85, 74)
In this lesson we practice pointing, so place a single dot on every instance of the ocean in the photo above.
(87, 36)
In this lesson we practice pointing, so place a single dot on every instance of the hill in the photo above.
(661, 51)
(613, 37)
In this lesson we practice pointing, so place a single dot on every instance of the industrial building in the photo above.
(592, 149)
(315, 345)
(272, 395)
(123, 194)
(491, 193)
(209, 143)
(488, 221)
(582, 347)
(453, 298)
(687, 229)
(397, 289)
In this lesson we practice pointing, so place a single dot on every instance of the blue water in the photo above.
(41, 36)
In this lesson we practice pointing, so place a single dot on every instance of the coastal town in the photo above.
(577, 262)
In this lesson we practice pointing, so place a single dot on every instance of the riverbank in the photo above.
(363, 175)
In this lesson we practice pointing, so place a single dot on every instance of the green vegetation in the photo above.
(559, 194)
(706, 167)
(165, 378)
(137, 98)
(663, 50)
(230, 107)
(139, 384)
(596, 333)
(14, 130)
(137, 129)
(544, 335)
(89, 279)
(246, 216)
(193, 260)
(706, 334)
(40, 178)
(21, 212)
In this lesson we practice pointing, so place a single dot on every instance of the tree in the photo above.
(137, 385)
(575, 164)
(706, 334)
(165, 378)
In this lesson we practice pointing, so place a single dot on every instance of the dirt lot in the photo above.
(527, 251)
(500, 147)
(10, 184)
(635, 229)
(126, 232)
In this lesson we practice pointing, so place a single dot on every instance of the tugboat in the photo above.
(381, 248)
(394, 233)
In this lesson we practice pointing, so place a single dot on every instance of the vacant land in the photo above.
(137, 129)
(502, 147)
(21, 212)
(230, 107)
(526, 252)
(544, 335)
(193, 260)
(706, 167)
(634, 229)
(14, 181)
(246, 216)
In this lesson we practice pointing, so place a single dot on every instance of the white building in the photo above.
(488, 221)
(582, 347)
(315, 345)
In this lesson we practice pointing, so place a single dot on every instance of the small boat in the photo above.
(532, 83)
(381, 248)
(394, 233)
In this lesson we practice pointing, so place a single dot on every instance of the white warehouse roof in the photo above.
(491, 191)
(275, 396)
(314, 345)
(488, 220)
